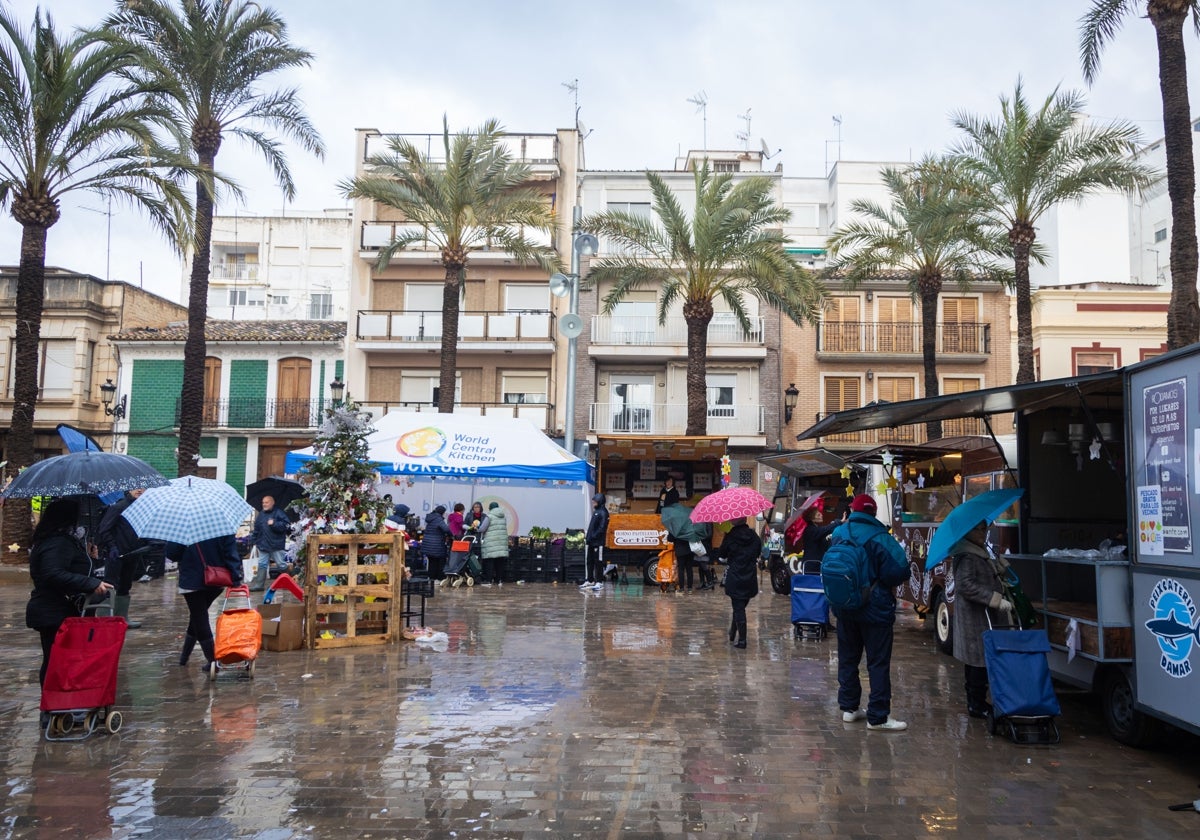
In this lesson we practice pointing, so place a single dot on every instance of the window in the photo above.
(840, 330)
(895, 388)
(56, 369)
(720, 394)
(633, 320)
(1095, 361)
(519, 388)
(247, 297)
(279, 300)
(1160, 235)
(320, 305)
(724, 166)
(961, 425)
(960, 322)
(423, 297)
(526, 297)
(89, 365)
(841, 393)
(422, 388)
(640, 209)
(897, 330)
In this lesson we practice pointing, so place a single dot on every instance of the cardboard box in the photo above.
(282, 626)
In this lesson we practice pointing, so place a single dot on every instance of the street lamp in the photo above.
(108, 391)
(790, 395)
(337, 390)
(571, 325)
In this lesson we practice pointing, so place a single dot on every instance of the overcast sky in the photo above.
(893, 70)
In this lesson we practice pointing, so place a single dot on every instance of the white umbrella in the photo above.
(188, 510)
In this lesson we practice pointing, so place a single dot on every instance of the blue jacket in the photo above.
(271, 537)
(435, 542)
(597, 530)
(889, 567)
(221, 551)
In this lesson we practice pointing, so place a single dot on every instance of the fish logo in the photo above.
(1174, 626)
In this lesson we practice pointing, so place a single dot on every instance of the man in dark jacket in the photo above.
(597, 532)
(117, 542)
(271, 528)
(435, 542)
(869, 628)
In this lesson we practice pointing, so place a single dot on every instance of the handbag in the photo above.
(215, 576)
(698, 548)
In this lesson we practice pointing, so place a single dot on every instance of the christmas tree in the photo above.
(341, 481)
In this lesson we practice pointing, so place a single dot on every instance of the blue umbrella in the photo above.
(962, 520)
(188, 510)
(82, 473)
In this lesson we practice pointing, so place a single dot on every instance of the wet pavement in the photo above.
(551, 713)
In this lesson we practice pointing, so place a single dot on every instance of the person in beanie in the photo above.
(869, 629)
(494, 545)
(597, 532)
(435, 542)
(740, 549)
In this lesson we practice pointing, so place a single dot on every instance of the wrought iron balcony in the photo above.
(540, 414)
(473, 326)
(902, 337)
(259, 413)
(671, 419)
(646, 331)
(902, 434)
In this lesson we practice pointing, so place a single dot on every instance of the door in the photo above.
(960, 325)
(212, 392)
(293, 394)
(631, 400)
(271, 456)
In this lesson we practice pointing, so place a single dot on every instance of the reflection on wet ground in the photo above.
(622, 714)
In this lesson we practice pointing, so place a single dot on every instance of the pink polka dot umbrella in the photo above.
(730, 503)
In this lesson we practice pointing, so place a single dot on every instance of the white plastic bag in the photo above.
(698, 548)
(250, 564)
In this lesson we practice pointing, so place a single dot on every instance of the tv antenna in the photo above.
(700, 100)
(744, 136)
(108, 243)
(573, 86)
(837, 121)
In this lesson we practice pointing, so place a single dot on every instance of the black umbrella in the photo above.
(82, 473)
(283, 490)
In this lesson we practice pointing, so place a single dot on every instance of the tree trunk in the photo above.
(451, 293)
(1183, 316)
(929, 288)
(191, 395)
(1022, 236)
(31, 292)
(697, 315)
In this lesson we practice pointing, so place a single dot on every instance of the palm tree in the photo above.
(213, 56)
(1099, 26)
(930, 232)
(1027, 161)
(69, 121)
(729, 247)
(478, 197)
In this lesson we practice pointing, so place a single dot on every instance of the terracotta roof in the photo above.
(235, 331)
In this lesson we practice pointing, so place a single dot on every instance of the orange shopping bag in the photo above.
(666, 566)
(239, 636)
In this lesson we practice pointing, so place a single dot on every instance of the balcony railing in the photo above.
(376, 235)
(671, 419)
(259, 413)
(541, 414)
(243, 273)
(473, 326)
(527, 148)
(963, 337)
(645, 330)
(904, 434)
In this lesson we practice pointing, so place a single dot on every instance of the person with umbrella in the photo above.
(271, 527)
(683, 532)
(62, 575)
(740, 550)
(118, 544)
(217, 551)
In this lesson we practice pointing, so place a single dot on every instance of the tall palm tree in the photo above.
(931, 231)
(730, 247)
(69, 121)
(1027, 161)
(477, 197)
(1098, 27)
(214, 56)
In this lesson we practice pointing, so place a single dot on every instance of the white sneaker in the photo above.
(855, 716)
(587, 584)
(889, 725)
(597, 587)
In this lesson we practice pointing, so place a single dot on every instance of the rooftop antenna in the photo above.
(744, 136)
(573, 86)
(700, 100)
(837, 121)
(108, 243)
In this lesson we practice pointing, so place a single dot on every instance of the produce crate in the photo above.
(353, 589)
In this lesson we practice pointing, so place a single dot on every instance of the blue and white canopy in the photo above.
(426, 445)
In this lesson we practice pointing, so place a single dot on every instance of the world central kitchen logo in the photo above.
(430, 443)
(1174, 626)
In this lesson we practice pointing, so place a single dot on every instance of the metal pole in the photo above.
(573, 309)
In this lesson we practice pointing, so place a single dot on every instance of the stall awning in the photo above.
(637, 447)
(986, 403)
(811, 462)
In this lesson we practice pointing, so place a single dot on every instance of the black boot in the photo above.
(732, 630)
(189, 642)
(976, 684)
(206, 645)
(741, 635)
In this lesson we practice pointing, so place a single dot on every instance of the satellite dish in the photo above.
(766, 150)
(560, 285)
(570, 325)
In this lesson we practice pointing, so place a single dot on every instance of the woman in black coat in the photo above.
(740, 549)
(62, 574)
(220, 551)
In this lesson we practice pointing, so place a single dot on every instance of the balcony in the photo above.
(234, 273)
(376, 235)
(671, 419)
(528, 330)
(259, 413)
(538, 151)
(902, 434)
(964, 339)
(613, 335)
(540, 414)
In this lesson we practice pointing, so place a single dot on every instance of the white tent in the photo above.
(430, 459)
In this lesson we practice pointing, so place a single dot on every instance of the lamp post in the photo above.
(571, 325)
(790, 395)
(337, 390)
(108, 392)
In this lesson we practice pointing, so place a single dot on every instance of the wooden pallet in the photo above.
(343, 571)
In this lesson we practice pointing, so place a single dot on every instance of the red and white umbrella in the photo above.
(730, 503)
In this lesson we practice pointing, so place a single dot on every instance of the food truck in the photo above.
(630, 471)
(1110, 464)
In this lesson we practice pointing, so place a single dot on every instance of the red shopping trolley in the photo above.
(81, 678)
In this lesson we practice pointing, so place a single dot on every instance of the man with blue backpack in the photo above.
(859, 573)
